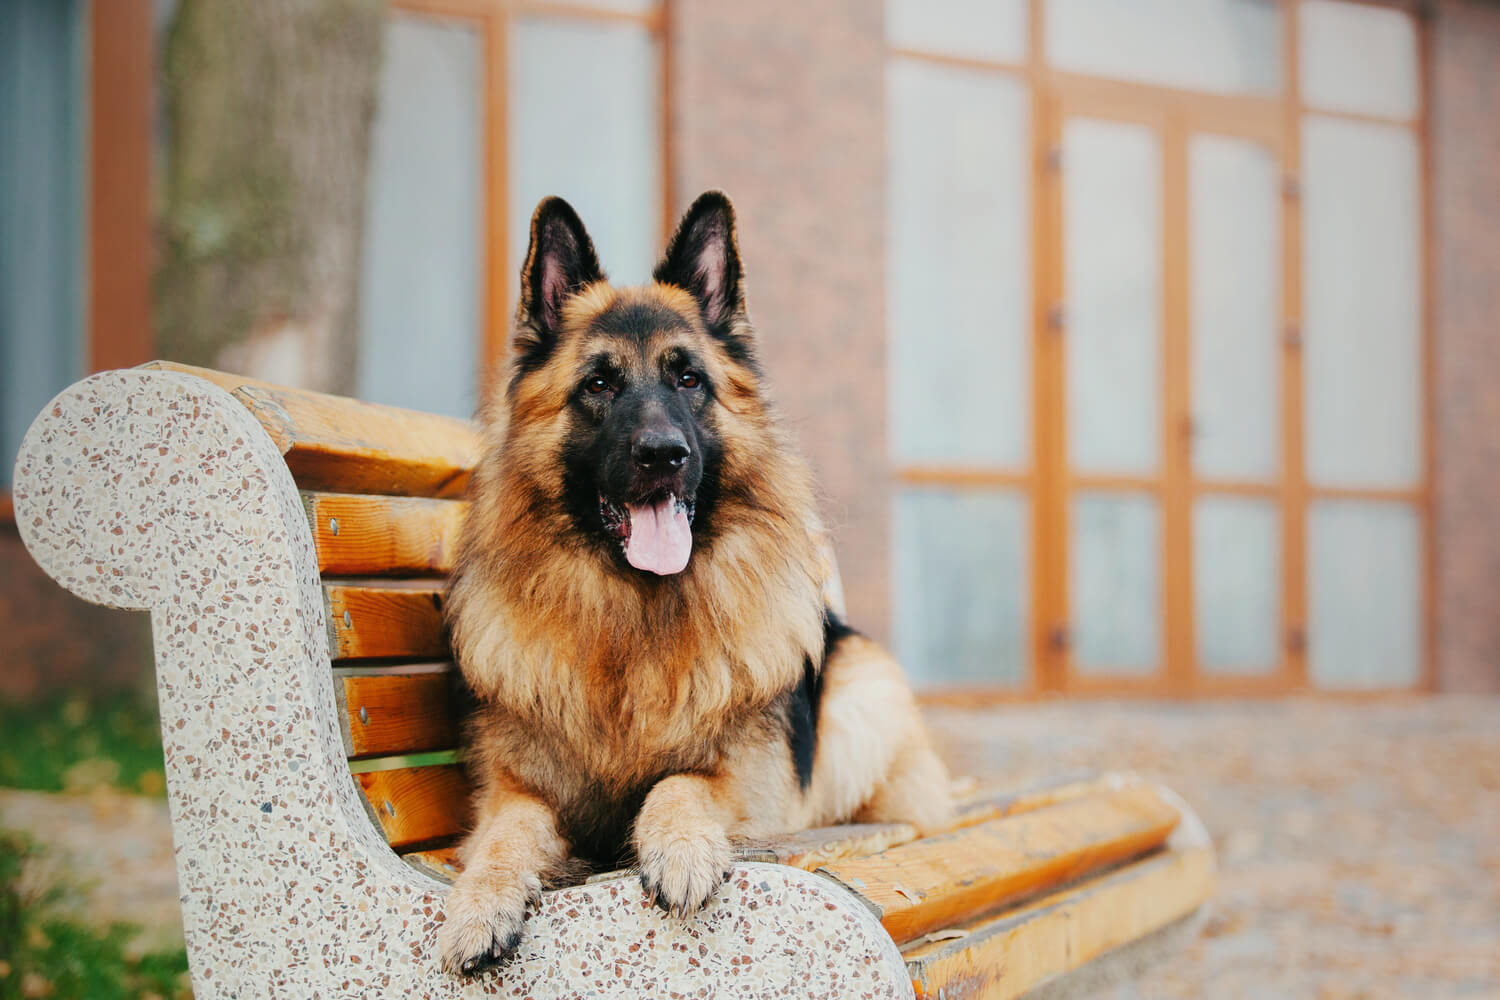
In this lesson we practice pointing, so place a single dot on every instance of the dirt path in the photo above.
(115, 850)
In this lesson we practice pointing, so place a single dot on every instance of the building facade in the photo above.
(1139, 347)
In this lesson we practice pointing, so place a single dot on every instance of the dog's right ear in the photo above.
(560, 261)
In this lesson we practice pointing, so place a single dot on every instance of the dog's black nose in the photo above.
(659, 449)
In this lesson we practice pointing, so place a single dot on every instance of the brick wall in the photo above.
(52, 641)
(781, 104)
(1466, 248)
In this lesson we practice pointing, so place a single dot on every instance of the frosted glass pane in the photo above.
(1364, 594)
(1115, 570)
(1237, 584)
(420, 274)
(1112, 267)
(1362, 295)
(959, 260)
(1219, 46)
(1234, 263)
(1357, 57)
(585, 123)
(961, 586)
(979, 29)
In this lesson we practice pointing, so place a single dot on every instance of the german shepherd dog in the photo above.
(638, 604)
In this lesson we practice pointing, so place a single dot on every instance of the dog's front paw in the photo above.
(485, 917)
(681, 869)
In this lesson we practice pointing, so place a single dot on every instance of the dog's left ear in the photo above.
(703, 258)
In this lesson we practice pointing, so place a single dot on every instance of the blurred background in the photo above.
(1142, 347)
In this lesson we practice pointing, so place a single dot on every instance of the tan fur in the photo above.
(513, 847)
(594, 682)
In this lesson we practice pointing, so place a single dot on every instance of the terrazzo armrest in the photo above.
(290, 548)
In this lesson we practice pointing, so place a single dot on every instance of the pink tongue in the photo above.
(660, 540)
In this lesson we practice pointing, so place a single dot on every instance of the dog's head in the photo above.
(627, 407)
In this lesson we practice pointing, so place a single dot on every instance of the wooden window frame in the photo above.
(494, 20)
(1276, 121)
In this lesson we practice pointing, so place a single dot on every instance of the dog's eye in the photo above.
(688, 380)
(595, 385)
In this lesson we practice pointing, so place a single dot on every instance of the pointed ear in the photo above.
(703, 257)
(560, 261)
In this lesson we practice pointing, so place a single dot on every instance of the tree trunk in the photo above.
(269, 105)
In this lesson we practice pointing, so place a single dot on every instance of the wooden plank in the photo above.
(390, 714)
(440, 863)
(942, 880)
(384, 536)
(418, 806)
(343, 445)
(386, 622)
(1008, 955)
(987, 803)
(811, 849)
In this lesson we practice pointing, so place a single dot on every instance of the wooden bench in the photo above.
(292, 550)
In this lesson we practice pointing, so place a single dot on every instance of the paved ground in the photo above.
(1359, 844)
(112, 851)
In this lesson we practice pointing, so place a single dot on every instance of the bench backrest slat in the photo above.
(406, 623)
(344, 445)
(384, 536)
(418, 806)
(387, 713)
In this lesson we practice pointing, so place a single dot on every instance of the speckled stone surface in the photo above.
(157, 491)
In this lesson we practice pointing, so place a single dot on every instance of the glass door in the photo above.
(1170, 467)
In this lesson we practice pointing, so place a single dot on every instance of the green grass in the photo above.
(75, 742)
(44, 955)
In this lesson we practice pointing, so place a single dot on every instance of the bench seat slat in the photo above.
(439, 862)
(389, 714)
(807, 849)
(384, 536)
(996, 803)
(1010, 954)
(386, 622)
(418, 806)
(341, 444)
(811, 849)
(942, 880)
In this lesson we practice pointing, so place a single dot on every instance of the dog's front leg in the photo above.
(515, 844)
(681, 841)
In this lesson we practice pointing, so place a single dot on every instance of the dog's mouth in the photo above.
(656, 532)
